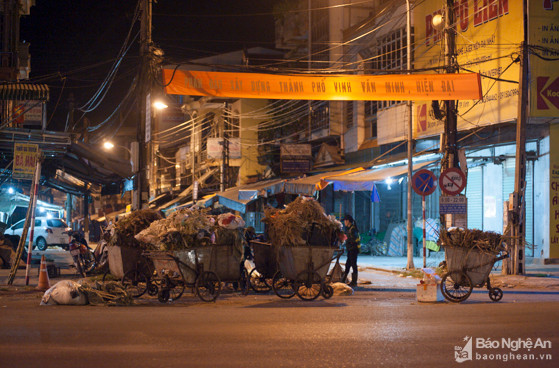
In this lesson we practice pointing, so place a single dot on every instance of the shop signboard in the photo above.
(544, 39)
(487, 37)
(25, 159)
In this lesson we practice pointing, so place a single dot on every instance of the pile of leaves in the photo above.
(485, 241)
(126, 228)
(302, 221)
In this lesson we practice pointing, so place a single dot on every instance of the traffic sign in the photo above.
(424, 182)
(452, 181)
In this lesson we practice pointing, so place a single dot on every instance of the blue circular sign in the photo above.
(424, 182)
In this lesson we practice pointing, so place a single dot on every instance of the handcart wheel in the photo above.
(135, 283)
(495, 294)
(244, 282)
(327, 291)
(176, 291)
(152, 288)
(456, 286)
(309, 285)
(208, 286)
(258, 282)
(163, 295)
(282, 286)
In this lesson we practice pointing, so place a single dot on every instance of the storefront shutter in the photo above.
(474, 192)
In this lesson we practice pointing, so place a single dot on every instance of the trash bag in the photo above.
(65, 292)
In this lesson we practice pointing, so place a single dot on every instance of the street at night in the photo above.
(286, 183)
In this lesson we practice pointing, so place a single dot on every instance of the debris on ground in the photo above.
(341, 289)
(65, 292)
(106, 293)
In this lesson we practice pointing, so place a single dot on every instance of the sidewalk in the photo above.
(537, 275)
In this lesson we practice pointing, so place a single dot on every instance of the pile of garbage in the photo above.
(189, 228)
(68, 292)
(484, 241)
(126, 228)
(302, 222)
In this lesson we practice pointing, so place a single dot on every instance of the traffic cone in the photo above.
(43, 275)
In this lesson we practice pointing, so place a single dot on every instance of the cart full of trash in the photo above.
(305, 242)
(470, 255)
(192, 249)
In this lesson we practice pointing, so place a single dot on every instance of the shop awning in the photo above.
(23, 91)
(364, 180)
(238, 198)
(309, 185)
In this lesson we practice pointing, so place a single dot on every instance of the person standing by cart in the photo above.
(352, 244)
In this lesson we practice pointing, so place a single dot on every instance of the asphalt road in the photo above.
(375, 327)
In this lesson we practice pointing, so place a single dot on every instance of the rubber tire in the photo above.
(89, 263)
(466, 284)
(495, 294)
(163, 295)
(152, 289)
(137, 279)
(305, 286)
(279, 284)
(327, 291)
(207, 286)
(258, 284)
(41, 244)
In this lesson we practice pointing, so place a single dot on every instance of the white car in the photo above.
(47, 232)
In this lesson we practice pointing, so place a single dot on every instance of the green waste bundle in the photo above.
(191, 227)
(108, 293)
(302, 222)
(126, 228)
(484, 241)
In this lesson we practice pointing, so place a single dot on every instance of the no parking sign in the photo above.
(424, 182)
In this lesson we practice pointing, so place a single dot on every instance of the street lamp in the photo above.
(108, 145)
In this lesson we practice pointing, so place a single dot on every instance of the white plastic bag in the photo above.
(65, 292)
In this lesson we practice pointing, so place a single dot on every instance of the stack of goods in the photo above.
(126, 228)
(484, 241)
(302, 222)
(191, 227)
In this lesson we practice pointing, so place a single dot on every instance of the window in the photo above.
(348, 112)
(37, 223)
(19, 225)
(56, 223)
(390, 54)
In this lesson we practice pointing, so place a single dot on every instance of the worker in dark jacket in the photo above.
(352, 244)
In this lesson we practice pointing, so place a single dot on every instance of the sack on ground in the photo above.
(64, 292)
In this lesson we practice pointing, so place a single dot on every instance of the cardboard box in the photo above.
(429, 293)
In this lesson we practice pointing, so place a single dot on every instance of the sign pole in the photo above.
(33, 205)
(424, 233)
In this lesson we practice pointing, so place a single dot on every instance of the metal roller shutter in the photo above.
(474, 192)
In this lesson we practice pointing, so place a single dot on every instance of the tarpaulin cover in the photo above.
(363, 180)
(231, 198)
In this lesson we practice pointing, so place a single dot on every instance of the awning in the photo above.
(238, 198)
(24, 91)
(364, 180)
(311, 184)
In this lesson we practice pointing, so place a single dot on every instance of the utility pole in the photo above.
(450, 127)
(410, 265)
(141, 193)
(515, 264)
(450, 158)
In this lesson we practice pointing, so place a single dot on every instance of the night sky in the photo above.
(73, 43)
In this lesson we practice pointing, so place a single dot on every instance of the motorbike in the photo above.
(82, 255)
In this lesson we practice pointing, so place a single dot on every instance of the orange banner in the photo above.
(466, 86)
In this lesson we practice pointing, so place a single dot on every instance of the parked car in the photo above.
(47, 232)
